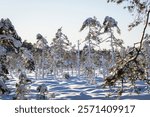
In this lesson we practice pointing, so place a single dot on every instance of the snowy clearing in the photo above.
(73, 89)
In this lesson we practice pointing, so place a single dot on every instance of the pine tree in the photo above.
(91, 40)
(108, 24)
(41, 44)
(10, 42)
(59, 46)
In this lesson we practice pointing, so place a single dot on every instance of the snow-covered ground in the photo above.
(73, 89)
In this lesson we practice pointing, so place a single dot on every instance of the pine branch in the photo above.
(143, 34)
(119, 72)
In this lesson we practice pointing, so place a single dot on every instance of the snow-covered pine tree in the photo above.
(91, 40)
(22, 87)
(10, 42)
(108, 24)
(43, 91)
(59, 46)
(41, 45)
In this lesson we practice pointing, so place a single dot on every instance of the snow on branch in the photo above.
(109, 23)
(8, 35)
(92, 22)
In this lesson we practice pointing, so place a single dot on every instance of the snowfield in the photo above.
(74, 89)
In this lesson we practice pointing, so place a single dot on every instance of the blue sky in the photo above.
(31, 17)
